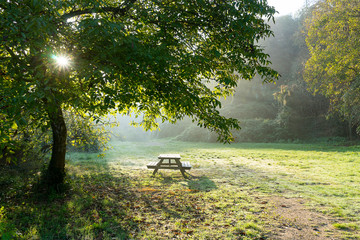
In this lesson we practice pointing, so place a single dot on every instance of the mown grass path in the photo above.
(238, 191)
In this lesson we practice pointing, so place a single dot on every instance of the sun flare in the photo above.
(62, 61)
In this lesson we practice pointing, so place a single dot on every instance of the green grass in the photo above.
(115, 197)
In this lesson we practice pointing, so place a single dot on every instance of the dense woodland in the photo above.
(296, 107)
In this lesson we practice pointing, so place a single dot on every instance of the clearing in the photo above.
(238, 191)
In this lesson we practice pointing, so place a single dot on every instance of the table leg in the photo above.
(157, 166)
(180, 167)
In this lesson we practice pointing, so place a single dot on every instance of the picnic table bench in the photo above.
(169, 161)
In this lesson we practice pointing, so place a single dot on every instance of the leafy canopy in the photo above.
(333, 38)
(158, 59)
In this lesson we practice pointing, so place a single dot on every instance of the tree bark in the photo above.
(54, 176)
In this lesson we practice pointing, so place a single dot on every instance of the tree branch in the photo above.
(121, 10)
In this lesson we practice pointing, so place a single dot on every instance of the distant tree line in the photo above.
(318, 94)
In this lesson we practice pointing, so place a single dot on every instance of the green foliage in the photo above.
(333, 70)
(7, 230)
(149, 57)
(260, 130)
(304, 116)
(30, 144)
(156, 59)
(285, 111)
(84, 135)
(24, 144)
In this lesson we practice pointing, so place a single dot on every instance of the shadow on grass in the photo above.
(94, 207)
(98, 204)
(202, 183)
(195, 183)
(164, 202)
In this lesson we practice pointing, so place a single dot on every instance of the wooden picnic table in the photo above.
(169, 161)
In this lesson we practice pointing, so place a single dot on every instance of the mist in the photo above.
(281, 111)
(124, 131)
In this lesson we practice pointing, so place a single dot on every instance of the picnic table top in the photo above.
(161, 164)
(169, 156)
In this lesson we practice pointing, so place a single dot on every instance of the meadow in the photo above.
(237, 191)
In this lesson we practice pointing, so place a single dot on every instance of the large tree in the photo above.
(333, 38)
(160, 59)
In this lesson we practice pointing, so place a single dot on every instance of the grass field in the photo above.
(238, 191)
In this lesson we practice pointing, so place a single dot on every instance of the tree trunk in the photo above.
(350, 130)
(54, 176)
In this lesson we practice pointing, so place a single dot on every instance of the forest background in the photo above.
(289, 110)
(295, 108)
